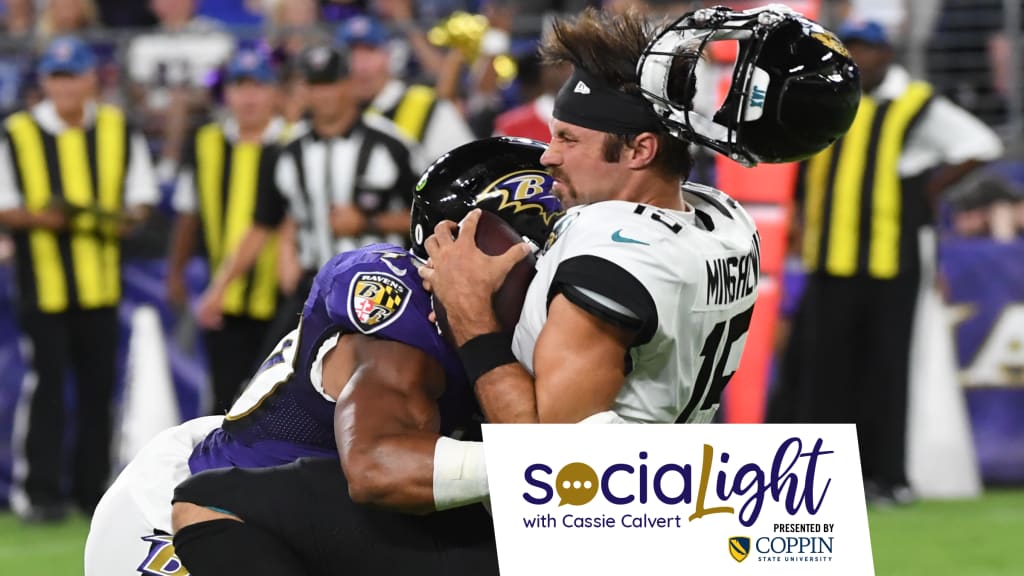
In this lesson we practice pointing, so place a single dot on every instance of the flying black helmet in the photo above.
(794, 89)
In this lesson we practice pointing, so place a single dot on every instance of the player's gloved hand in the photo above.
(209, 312)
(464, 278)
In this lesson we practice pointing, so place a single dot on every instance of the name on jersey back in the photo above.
(731, 278)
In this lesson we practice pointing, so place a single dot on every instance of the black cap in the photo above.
(323, 64)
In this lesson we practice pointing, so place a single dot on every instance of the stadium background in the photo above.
(970, 49)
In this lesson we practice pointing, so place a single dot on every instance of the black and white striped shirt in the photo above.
(371, 166)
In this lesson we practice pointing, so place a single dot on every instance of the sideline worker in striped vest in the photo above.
(865, 200)
(73, 179)
(435, 124)
(215, 200)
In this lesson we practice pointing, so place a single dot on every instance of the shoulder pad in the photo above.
(369, 289)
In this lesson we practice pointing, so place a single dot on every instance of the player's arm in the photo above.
(13, 214)
(186, 227)
(289, 269)
(395, 218)
(270, 214)
(597, 311)
(237, 263)
(386, 425)
(141, 189)
(579, 362)
(23, 219)
(243, 258)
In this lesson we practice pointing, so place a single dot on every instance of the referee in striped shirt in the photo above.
(346, 183)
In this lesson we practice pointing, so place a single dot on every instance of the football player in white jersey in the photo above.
(643, 295)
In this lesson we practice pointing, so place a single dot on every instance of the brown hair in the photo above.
(608, 47)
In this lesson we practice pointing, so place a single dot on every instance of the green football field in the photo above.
(978, 538)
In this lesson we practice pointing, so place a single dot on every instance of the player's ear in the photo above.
(643, 150)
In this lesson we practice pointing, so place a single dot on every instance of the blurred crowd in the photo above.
(162, 60)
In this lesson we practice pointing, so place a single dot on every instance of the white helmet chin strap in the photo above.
(693, 32)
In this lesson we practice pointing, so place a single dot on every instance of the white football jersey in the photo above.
(685, 281)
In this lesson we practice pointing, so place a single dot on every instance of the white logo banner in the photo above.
(681, 499)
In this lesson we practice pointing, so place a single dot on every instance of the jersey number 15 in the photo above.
(711, 379)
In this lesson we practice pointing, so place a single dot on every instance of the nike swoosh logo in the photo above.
(618, 237)
(398, 271)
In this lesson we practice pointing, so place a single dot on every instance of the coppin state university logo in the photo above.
(739, 548)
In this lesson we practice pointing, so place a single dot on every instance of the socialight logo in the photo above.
(790, 479)
(576, 484)
(728, 500)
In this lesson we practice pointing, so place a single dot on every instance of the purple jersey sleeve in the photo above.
(377, 291)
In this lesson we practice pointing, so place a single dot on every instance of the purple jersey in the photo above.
(284, 413)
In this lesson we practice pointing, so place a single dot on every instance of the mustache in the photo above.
(569, 192)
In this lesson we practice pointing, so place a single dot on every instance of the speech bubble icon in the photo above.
(576, 484)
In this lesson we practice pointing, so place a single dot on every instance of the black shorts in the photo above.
(306, 505)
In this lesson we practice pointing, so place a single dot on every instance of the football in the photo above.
(494, 236)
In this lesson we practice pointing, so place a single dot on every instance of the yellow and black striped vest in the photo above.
(227, 176)
(78, 268)
(860, 217)
(413, 111)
